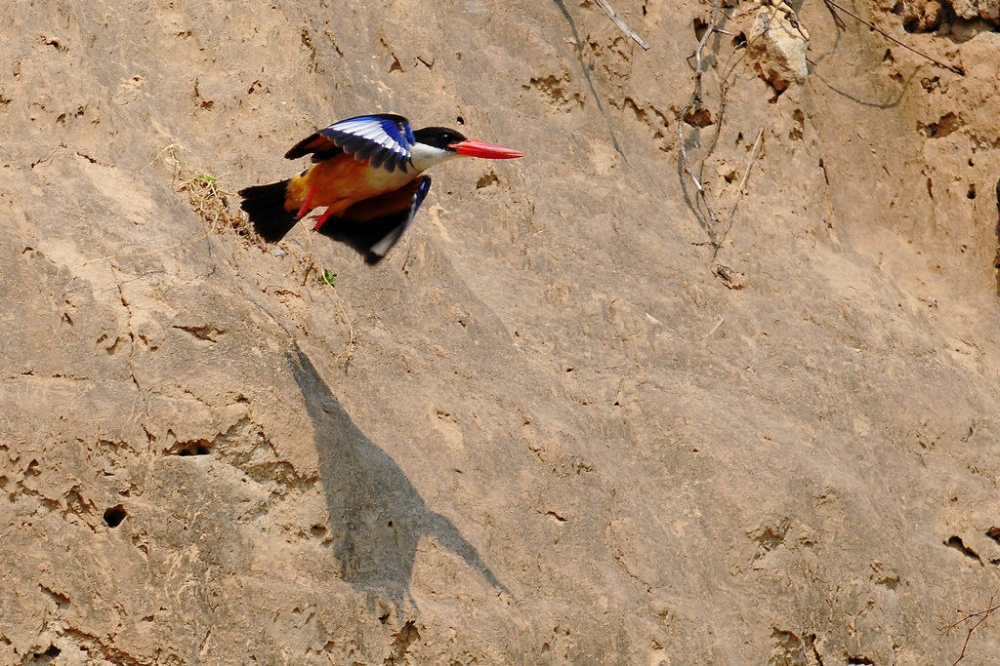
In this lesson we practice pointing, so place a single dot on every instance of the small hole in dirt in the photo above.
(486, 180)
(114, 515)
(317, 530)
(53, 651)
(971, 194)
(199, 448)
(460, 120)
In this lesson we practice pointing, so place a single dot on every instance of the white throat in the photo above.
(425, 156)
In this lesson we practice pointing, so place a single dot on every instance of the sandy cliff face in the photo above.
(551, 427)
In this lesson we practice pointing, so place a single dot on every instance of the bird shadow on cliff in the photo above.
(377, 517)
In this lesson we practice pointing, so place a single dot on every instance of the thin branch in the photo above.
(620, 22)
(713, 24)
(872, 26)
(150, 253)
(718, 323)
(754, 154)
(348, 353)
(713, 218)
(695, 102)
(983, 615)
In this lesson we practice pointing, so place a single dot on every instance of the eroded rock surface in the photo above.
(554, 425)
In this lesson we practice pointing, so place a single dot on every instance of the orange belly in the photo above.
(339, 183)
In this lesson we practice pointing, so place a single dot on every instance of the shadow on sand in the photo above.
(377, 517)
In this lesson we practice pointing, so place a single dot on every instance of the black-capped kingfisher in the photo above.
(367, 174)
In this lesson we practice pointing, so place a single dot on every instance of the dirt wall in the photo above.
(557, 424)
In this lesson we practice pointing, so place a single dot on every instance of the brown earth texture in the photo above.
(583, 413)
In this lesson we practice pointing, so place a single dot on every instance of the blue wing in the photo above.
(385, 140)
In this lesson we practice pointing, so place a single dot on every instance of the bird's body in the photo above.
(367, 175)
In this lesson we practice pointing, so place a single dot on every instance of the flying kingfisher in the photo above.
(366, 173)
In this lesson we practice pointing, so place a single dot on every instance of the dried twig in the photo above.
(872, 26)
(149, 253)
(211, 203)
(718, 323)
(694, 104)
(348, 353)
(983, 615)
(620, 22)
(171, 150)
(754, 153)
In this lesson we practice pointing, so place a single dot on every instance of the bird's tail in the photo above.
(265, 205)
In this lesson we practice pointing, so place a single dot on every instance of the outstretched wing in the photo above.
(373, 226)
(385, 140)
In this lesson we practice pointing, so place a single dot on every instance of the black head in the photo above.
(439, 137)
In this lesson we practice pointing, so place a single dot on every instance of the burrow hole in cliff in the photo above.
(114, 515)
(199, 447)
(944, 126)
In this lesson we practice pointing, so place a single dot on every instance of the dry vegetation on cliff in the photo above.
(704, 379)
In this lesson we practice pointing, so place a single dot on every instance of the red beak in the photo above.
(472, 148)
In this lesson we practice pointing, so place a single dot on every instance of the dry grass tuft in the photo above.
(211, 203)
(208, 198)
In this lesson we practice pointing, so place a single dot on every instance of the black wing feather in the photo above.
(374, 226)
